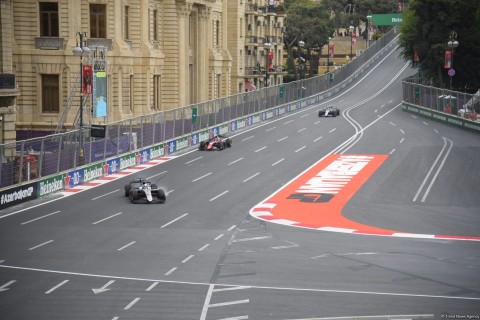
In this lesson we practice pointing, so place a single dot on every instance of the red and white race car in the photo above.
(216, 143)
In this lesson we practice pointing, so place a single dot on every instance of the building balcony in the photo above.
(100, 42)
(49, 43)
(8, 86)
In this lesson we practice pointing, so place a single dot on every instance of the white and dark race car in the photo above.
(329, 112)
(141, 189)
(216, 143)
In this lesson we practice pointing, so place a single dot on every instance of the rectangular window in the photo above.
(157, 102)
(217, 27)
(98, 21)
(48, 19)
(132, 107)
(50, 93)
(155, 25)
(127, 27)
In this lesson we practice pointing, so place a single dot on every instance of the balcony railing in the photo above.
(7, 81)
(100, 42)
(49, 43)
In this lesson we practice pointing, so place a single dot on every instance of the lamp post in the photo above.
(351, 40)
(78, 51)
(301, 44)
(267, 46)
(368, 30)
(452, 44)
(328, 55)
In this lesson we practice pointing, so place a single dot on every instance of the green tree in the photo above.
(427, 25)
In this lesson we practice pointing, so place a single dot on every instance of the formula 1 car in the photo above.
(141, 189)
(216, 143)
(329, 111)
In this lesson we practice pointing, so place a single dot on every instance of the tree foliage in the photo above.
(427, 25)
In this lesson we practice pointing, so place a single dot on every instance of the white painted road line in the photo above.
(266, 130)
(156, 175)
(231, 288)
(106, 194)
(153, 285)
(131, 303)
(275, 163)
(403, 132)
(218, 237)
(41, 244)
(232, 227)
(188, 258)
(332, 130)
(260, 149)
(126, 246)
(188, 162)
(171, 271)
(112, 216)
(4, 287)
(393, 124)
(401, 141)
(103, 288)
(228, 303)
(56, 287)
(247, 138)
(392, 151)
(317, 139)
(288, 121)
(205, 175)
(236, 318)
(235, 161)
(300, 149)
(250, 239)
(176, 219)
(203, 315)
(302, 129)
(218, 196)
(47, 215)
(251, 177)
(204, 247)
(281, 139)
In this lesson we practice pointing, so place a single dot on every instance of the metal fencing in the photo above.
(41, 157)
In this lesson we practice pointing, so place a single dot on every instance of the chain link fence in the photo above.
(32, 159)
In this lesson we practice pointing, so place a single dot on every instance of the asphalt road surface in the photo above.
(202, 256)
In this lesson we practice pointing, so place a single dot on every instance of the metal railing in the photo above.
(50, 155)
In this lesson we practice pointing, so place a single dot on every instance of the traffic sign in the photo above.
(451, 72)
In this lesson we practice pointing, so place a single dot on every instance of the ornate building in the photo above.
(160, 54)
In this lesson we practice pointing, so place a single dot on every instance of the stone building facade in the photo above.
(161, 54)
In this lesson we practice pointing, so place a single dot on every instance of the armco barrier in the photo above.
(142, 154)
(442, 117)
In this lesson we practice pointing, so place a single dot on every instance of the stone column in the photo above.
(203, 49)
(183, 12)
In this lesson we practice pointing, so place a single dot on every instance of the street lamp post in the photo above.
(368, 30)
(328, 55)
(452, 44)
(301, 67)
(78, 51)
(267, 46)
(351, 40)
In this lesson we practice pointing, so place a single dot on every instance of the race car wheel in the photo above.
(133, 195)
(161, 195)
(127, 190)
(228, 143)
(202, 145)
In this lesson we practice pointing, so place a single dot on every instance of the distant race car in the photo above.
(141, 189)
(216, 143)
(329, 112)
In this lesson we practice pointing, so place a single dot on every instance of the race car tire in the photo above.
(154, 186)
(127, 190)
(202, 145)
(161, 195)
(228, 143)
(133, 195)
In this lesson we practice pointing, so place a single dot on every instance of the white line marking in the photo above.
(232, 227)
(4, 287)
(260, 149)
(171, 271)
(382, 106)
(232, 288)
(317, 139)
(106, 194)
(156, 175)
(376, 110)
(115, 318)
(236, 318)
(250, 239)
(218, 237)
(239, 159)
(251, 177)
(204, 247)
(390, 101)
(438, 171)
(226, 284)
(153, 285)
(316, 122)
(415, 117)
(207, 302)
(403, 132)
(131, 303)
(168, 192)
(266, 130)
(126, 246)
(288, 121)
(392, 151)
(436, 131)
(116, 214)
(103, 288)
(218, 196)
(305, 115)
(188, 258)
(393, 124)
(275, 163)
(188, 162)
(401, 141)
(247, 138)
(302, 129)
(41, 244)
(56, 287)
(425, 123)
(300, 149)
(228, 303)
(205, 175)
(332, 130)
(40, 217)
(279, 140)
(176, 219)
